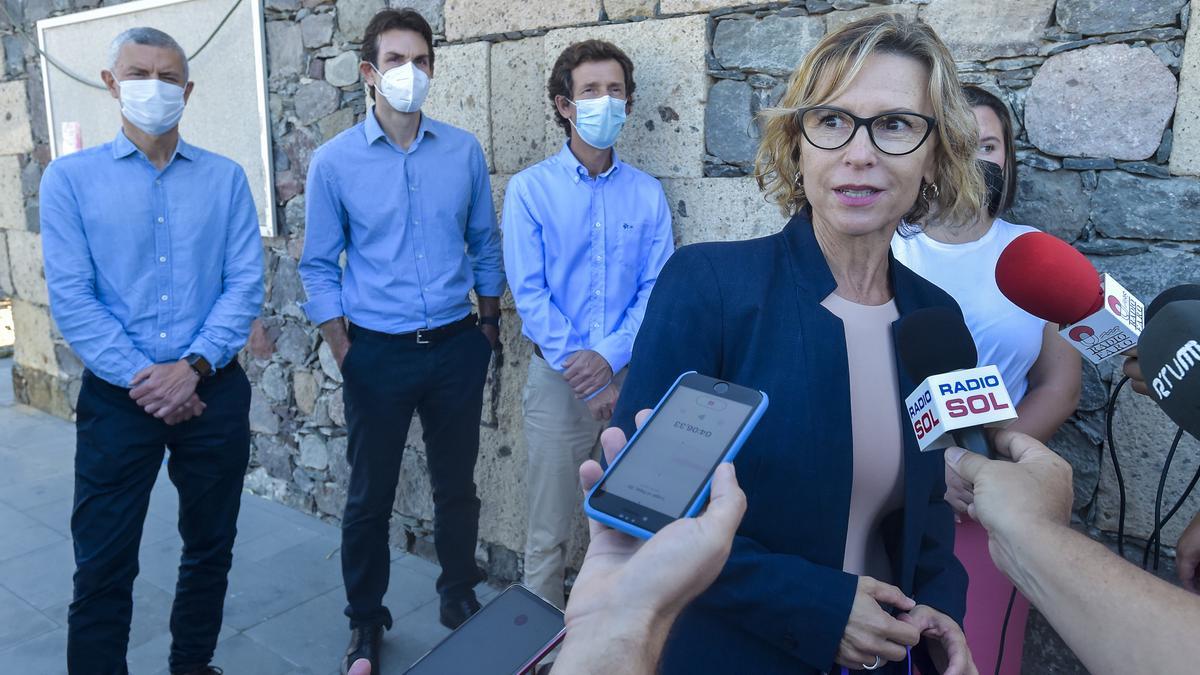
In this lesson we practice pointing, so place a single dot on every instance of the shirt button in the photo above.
(412, 188)
(162, 258)
(595, 324)
(599, 258)
(158, 181)
(163, 298)
(420, 255)
(160, 219)
(416, 222)
(597, 224)
(162, 335)
(597, 291)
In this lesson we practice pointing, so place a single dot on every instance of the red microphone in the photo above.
(1048, 278)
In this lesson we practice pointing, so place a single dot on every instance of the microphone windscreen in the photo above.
(1048, 278)
(932, 341)
(1169, 355)
(1180, 292)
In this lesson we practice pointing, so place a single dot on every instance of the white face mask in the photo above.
(404, 87)
(153, 106)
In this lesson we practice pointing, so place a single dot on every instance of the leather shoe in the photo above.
(456, 611)
(364, 644)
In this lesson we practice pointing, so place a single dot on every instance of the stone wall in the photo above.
(1106, 96)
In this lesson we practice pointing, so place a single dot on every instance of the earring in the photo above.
(797, 180)
(927, 189)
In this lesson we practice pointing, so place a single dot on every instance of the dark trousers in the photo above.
(386, 379)
(117, 457)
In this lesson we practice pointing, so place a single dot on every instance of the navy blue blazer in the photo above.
(749, 312)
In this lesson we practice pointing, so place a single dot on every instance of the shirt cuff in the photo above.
(489, 284)
(614, 350)
(324, 307)
(140, 363)
(210, 351)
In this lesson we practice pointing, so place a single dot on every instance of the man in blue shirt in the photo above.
(154, 268)
(585, 237)
(408, 200)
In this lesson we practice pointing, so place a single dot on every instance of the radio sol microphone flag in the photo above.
(945, 405)
(955, 398)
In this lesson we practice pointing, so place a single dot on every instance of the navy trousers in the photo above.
(386, 380)
(119, 450)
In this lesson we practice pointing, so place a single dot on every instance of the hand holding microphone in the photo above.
(1132, 367)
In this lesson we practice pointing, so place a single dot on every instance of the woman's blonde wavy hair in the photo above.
(827, 71)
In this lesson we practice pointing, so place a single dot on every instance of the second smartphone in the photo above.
(664, 472)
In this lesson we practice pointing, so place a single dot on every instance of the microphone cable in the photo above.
(1155, 539)
(1012, 597)
(1112, 451)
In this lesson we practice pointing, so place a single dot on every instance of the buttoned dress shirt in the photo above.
(417, 226)
(582, 254)
(144, 265)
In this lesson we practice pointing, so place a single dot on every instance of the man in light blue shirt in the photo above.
(408, 200)
(585, 236)
(154, 268)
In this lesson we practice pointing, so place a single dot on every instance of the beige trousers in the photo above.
(559, 435)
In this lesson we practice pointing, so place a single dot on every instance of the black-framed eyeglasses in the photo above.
(894, 133)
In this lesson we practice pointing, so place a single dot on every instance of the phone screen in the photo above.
(677, 450)
(501, 638)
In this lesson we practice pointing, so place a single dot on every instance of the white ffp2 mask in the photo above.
(404, 87)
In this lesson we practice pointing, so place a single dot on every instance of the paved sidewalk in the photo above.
(283, 611)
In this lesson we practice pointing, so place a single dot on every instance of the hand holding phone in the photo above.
(629, 590)
(663, 473)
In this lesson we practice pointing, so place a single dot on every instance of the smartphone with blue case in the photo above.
(665, 471)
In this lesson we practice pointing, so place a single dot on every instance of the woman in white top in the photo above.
(1041, 371)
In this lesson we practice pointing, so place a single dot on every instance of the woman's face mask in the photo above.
(993, 178)
(599, 120)
(404, 87)
(153, 106)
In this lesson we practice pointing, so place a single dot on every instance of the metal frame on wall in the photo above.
(267, 222)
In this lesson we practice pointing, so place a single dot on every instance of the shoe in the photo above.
(364, 644)
(456, 611)
(206, 670)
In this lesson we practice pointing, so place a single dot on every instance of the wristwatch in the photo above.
(489, 321)
(199, 364)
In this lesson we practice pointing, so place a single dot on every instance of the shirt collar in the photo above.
(123, 147)
(577, 170)
(374, 131)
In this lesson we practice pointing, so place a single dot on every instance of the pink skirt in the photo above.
(987, 598)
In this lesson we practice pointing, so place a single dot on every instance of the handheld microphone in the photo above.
(954, 399)
(1180, 292)
(1169, 352)
(1048, 278)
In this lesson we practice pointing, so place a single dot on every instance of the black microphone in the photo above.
(1180, 292)
(954, 396)
(1169, 352)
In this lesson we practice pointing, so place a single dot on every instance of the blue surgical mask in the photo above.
(599, 120)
